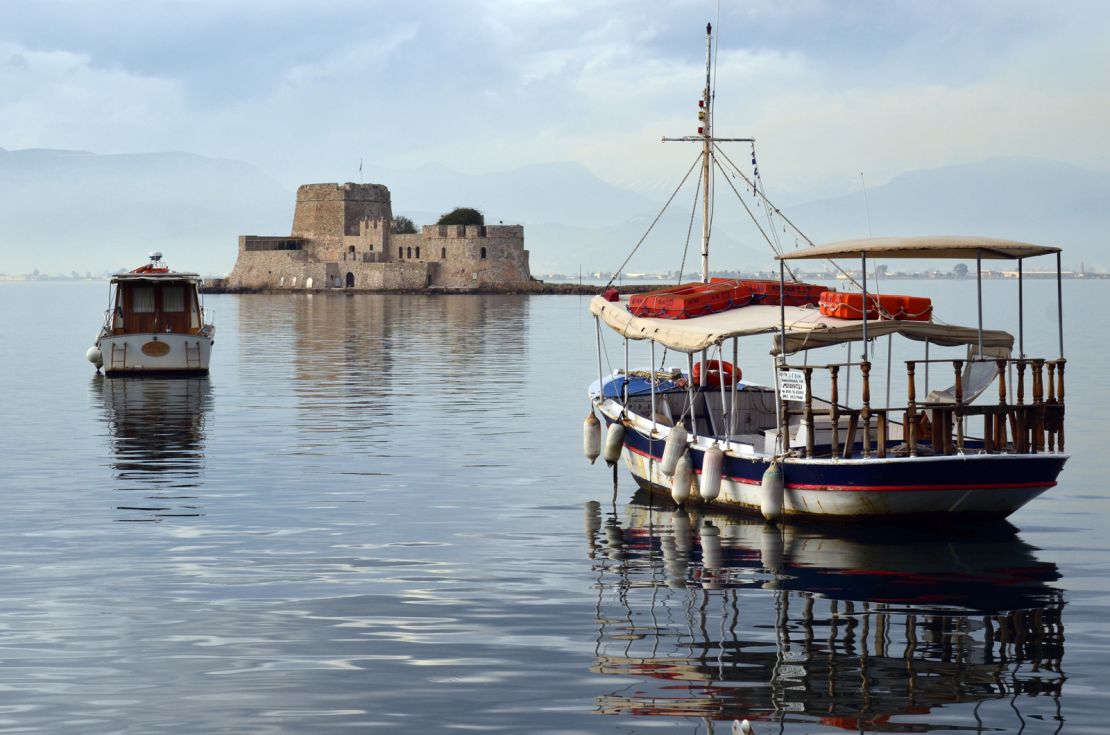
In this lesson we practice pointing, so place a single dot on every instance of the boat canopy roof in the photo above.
(806, 328)
(932, 246)
(155, 277)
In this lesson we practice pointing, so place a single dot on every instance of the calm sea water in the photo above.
(374, 516)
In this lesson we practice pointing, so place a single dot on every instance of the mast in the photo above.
(705, 137)
(707, 150)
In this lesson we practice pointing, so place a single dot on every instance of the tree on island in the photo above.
(402, 226)
(960, 271)
(462, 216)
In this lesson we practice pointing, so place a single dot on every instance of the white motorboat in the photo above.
(156, 324)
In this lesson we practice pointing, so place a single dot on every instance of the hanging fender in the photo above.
(718, 372)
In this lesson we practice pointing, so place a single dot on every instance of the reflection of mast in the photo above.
(849, 663)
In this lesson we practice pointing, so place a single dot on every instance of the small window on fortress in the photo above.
(443, 253)
(409, 253)
(418, 252)
(351, 249)
(483, 253)
(400, 252)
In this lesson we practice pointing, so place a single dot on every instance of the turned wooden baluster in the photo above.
(958, 366)
(1050, 405)
(1060, 399)
(835, 411)
(1038, 407)
(1000, 417)
(911, 409)
(865, 410)
(1021, 436)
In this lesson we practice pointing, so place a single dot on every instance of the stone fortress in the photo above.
(341, 239)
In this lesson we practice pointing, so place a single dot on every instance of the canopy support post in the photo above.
(626, 375)
(863, 256)
(692, 394)
(653, 408)
(736, 364)
(1060, 304)
(600, 373)
(979, 295)
(1021, 311)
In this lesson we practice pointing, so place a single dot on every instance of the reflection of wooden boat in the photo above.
(157, 434)
(717, 617)
(978, 450)
(156, 326)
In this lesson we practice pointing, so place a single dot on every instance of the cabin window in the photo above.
(142, 300)
(483, 253)
(173, 299)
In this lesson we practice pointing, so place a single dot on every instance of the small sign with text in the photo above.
(792, 385)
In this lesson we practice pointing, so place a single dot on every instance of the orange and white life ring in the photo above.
(718, 372)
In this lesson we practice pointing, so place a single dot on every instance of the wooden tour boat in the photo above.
(708, 436)
(156, 324)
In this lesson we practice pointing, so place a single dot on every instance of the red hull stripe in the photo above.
(878, 488)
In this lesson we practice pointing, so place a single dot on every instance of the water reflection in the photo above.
(156, 428)
(359, 364)
(719, 618)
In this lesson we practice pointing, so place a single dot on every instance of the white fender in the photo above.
(683, 476)
(591, 437)
(711, 463)
(771, 492)
(673, 449)
(614, 443)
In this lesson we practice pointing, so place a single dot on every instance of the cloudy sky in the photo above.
(303, 90)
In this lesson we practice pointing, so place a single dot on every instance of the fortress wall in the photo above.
(276, 269)
(388, 276)
(505, 262)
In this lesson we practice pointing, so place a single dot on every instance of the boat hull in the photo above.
(945, 488)
(162, 354)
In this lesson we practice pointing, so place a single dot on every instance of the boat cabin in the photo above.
(147, 303)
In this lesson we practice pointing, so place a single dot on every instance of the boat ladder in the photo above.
(192, 354)
(121, 361)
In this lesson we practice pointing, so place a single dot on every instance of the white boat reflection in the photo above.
(717, 617)
(156, 428)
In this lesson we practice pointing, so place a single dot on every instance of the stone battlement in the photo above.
(348, 192)
(451, 232)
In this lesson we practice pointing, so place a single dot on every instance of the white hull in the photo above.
(141, 354)
(832, 503)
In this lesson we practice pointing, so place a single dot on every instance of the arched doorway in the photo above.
(350, 280)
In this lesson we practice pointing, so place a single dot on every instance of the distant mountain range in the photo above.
(63, 211)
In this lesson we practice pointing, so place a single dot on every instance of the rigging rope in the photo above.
(689, 232)
(770, 205)
(655, 221)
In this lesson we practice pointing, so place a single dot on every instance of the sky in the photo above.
(305, 91)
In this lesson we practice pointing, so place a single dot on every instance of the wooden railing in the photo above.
(1033, 423)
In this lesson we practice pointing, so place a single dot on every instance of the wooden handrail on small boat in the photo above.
(1033, 423)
